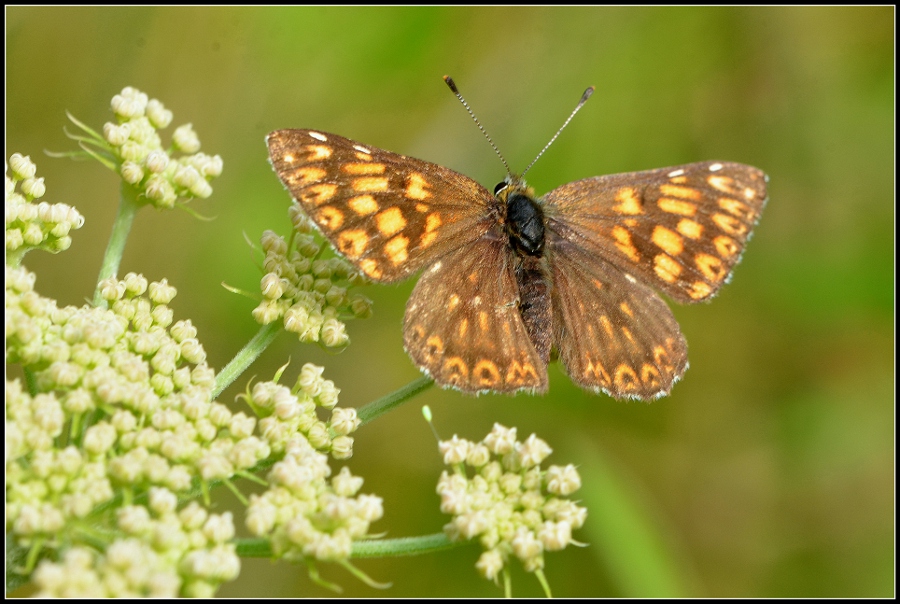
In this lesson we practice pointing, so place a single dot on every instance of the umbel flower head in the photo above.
(309, 293)
(128, 390)
(132, 147)
(285, 412)
(509, 504)
(123, 409)
(31, 224)
(306, 515)
(140, 564)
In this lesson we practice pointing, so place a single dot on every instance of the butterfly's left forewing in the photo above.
(389, 214)
(680, 229)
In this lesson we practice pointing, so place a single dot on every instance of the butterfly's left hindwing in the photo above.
(389, 214)
(613, 333)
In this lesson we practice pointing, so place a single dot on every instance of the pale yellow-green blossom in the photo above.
(31, 224)
(285, 412)
(141, 159)
(128, 389)
(163, 552)
(307, 293)
(508, 503)
(306, 515)
(140, 380)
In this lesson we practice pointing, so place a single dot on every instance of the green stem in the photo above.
(403, 546)
(245, 357)
(543, 581)
(14, 259)
(128, 207)
(31, 381)
(367, 548)
(377, 408)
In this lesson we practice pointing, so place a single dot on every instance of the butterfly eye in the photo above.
(500, 186)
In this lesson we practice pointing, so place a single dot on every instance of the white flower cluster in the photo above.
(164, 553)
(146, 375)
(128, 568)
(34, 225)
(141, 158)
(129, 390)
(305, 515)
(307, 292)
(510, 505)
(286, 412)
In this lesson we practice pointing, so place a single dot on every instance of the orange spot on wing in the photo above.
(666, 268)
(363, 205)
(629, 202)
(676, 206)
(396, 249)
(623, 242)
(370, 184)
(316, 195)
(390, 221)
(690, 228)
(363, 168)
(417, 186)
(682, 192)
(667, 240)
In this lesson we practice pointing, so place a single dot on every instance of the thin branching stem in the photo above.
(128, 207)
(366, 548)
(381, 406)
(245, 357)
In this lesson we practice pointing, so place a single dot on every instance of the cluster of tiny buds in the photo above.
(310, 294)
(510, 505)
(130, 385)
(285, 412)
(133, 385)
(142, 160)
(303, 514)
(128, 391)
(161, 552)
(31, 225)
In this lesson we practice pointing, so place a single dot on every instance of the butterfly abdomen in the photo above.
(534, 304)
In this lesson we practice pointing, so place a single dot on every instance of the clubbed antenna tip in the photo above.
(451, 84)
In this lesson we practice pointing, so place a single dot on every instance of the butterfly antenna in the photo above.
(584, 97)
(455, 90)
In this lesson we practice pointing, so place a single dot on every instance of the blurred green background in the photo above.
(769, 471)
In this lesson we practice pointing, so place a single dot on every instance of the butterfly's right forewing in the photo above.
(389, 214)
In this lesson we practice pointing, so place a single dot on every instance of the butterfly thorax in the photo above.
(524, 226)
(524, 218)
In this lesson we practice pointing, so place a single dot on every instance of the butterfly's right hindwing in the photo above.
(463, 325)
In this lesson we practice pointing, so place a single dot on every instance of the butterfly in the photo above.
(510, 279)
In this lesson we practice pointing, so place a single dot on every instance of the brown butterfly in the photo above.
(509, 277)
